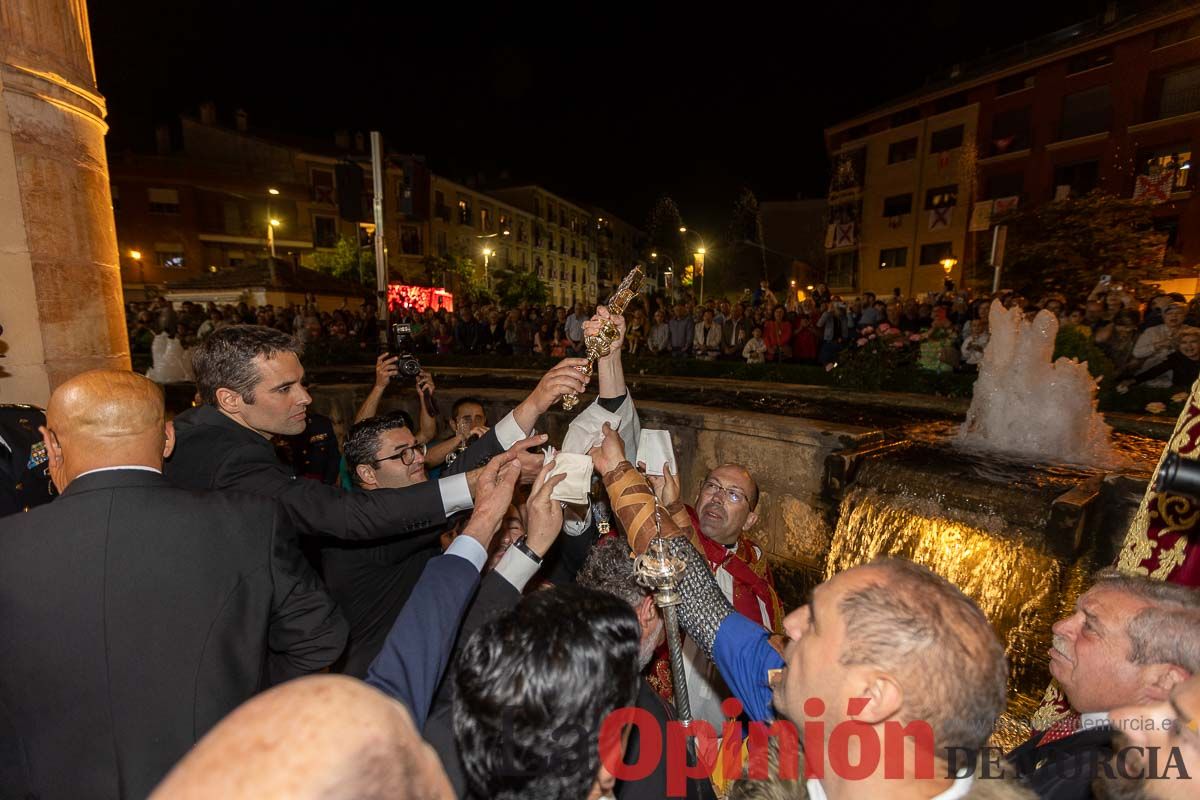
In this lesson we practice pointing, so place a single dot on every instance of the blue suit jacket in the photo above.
(410, 666)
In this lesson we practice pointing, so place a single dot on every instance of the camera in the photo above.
(401, 346)
(1180, 476)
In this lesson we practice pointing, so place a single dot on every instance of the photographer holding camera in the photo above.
(387, 371)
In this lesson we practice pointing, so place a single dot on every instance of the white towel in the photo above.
(578, 469)
(654, 450)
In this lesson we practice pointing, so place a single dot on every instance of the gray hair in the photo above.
(1168, 632)
(609, 568)
(225, 360)
(938, 646)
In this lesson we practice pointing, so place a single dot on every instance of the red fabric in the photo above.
(804, 342)
(1065, 727)
(748, 587)
(776, 335)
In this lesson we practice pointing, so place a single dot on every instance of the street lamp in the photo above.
(272, 224)
(136, 255)
(947, 266)
(698, 259)
(487, 255)
(272, 190)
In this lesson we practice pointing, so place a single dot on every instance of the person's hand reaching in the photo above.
(543, 515)
(609, 453)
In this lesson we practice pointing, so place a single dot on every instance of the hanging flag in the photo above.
(981, 216)
(1154, 187)
(844, 235)
(1003, 205)
(943, 159)
(940, 217)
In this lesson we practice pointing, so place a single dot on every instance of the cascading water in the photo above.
(1027, 406)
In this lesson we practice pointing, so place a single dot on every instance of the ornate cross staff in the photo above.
(600, 344)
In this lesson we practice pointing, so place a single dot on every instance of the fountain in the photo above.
(1026, 405)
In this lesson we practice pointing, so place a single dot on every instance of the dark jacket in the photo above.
(133, 617)
(24, 476)
(1062, 770)
(214, 452)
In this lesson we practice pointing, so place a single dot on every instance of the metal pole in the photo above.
(999, 236)
(379, 189)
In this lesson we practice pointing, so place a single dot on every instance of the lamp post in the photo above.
(698, 258)
(136, 255)
(487, 256)
(947, 267)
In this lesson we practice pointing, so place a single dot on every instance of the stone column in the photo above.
(60, 283)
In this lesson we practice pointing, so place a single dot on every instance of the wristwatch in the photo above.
(524, 548)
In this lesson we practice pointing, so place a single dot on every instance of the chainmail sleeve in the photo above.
(704, 606)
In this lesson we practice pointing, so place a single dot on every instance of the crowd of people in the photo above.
(166, 609)
(1153, 338)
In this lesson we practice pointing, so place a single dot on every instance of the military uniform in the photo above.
(313, 454)
(24, 464)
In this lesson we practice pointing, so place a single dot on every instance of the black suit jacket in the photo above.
(133, 617)
(1062, 770)
(214, 452)
(24, 475)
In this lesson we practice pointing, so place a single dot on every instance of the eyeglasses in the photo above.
(711, 487)
(406, 456)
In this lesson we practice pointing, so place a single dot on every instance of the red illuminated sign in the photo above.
(418, 298)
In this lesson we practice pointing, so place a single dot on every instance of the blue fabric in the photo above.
(410, 665)
(743, 655)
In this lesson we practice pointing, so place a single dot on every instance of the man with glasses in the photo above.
(724, 510)
(372, 580)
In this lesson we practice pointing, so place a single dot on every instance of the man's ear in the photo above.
(229, 401)
(1158, 680)
(878, 699)
(751, 518)
(366, 475)
(53, 449)
(647, 611)
(169, 440)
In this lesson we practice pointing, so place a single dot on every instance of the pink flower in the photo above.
(872, 336)
(863, 341)
(897, 343)
(867, 330)
(884, 327)
(914, 337)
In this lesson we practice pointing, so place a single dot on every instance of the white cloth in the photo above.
(141, 467)
(578, 469)
(576, 520)
(172, 363)
(655, 450)
(587, 430)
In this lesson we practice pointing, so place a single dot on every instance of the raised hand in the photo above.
(665, 486)
(543, 515)
(493, 495)
(563, 378)
(385, 369)
(609, 453)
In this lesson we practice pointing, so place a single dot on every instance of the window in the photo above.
(934, 253)
(897, 205)
(521, 231)
(1179, 32)
(322, 186)
(465, 217)
(163, 201)
(946, 139)
(505, 223)
(537, 207)
(440, 210)
(941, 196)
(1089, 60)
(841, 269)
(443, 247)
(1180, 92)
(1076, 179)
(549, 241)
(1014, 83)
(904, 117)
(410, 240)
(893, 257)
(325, 233)
(1010, 131)
(232, 214)
(902, 151)
(1086, 113)
(1011, 184)
(169, 256)
(1174, 159)
(485, 219)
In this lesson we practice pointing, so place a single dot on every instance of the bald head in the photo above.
(105, 418)
(324, 737)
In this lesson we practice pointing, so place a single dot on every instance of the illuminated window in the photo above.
(941, 196)
(465, 217)
(169, 256)
(1174, 159)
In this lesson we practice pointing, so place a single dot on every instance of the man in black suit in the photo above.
(1130, 641)
(134, 615)
(250, 380)
(24, 479)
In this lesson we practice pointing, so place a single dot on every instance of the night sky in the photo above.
(601, 103)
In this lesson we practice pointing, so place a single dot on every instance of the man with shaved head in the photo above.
(135, 615)
(317, 738)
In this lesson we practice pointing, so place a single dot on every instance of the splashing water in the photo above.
(1027, 406)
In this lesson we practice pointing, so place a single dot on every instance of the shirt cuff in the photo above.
(516, 567)
(508, 432)
(466, 547)
(456, 493)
